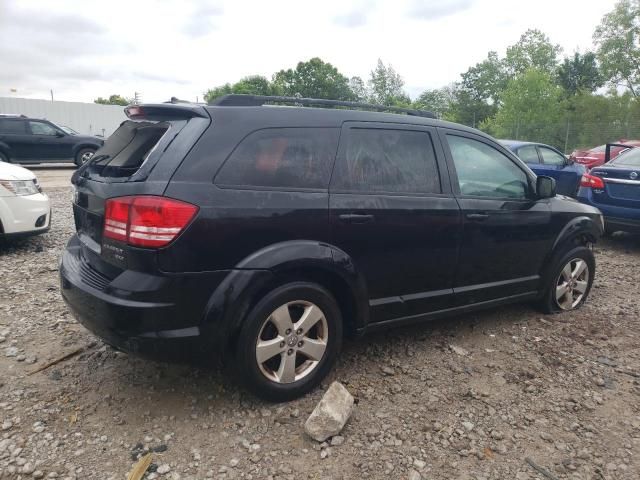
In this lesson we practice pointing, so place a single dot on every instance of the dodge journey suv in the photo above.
(260, 230)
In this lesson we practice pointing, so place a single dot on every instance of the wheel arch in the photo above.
(80, 146)
(282, 263)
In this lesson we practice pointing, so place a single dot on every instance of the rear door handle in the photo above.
(478, 217)
(356, 218)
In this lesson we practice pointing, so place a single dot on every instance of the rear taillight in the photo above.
(145, 220)
(591, 181)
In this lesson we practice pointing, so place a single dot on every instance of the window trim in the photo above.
(540, 147)
(443, 132)
(264, 188)
(445, 186)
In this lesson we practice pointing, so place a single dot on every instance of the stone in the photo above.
(331, 414)
(163, 469)
(337, 441)
(413, 475)
(11, 352)
(459, 350)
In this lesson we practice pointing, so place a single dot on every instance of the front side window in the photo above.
(528, 154)
(551, 157)
(395, 161)
(41, 128)
(282, 158)
(483, 171)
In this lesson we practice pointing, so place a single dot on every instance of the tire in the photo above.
(576, 286)
(83, 155)
(3, 157)
(272, 322)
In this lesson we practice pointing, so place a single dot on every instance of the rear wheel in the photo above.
(84, 155)
(289, 341)
(570, 281)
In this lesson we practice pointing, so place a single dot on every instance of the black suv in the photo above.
(261, 233)
(29, 140)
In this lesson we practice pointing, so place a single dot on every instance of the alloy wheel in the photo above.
(86, 157)
(292, 341)
(572, 284)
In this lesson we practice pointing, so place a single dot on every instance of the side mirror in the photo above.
(59, 134)
(545, 187)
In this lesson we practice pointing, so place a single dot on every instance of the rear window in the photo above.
(282, 158)
(630, 158)
(127, 148)
(15, 127)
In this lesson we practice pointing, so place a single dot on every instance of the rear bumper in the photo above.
(624, 224)
(615, 217)
(25, 215)
(157, 316)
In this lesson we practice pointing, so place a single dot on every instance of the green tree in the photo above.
(437, 100)
(580, 73)
(531, 109)
(386, 86)
(359, 89)
(468, 110)
(252, 85)
(617, 39)
(113, 100)
(533, 50)
(486, 80)
(313, 79)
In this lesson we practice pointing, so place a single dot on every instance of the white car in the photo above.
(24, 209)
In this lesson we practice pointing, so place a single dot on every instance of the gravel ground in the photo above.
(467, 398)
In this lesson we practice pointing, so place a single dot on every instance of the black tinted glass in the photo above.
(379, 160)
(11, 126)
(282, 158)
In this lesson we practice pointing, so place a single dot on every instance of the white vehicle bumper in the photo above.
(25, 214)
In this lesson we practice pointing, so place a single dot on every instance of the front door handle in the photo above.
(356, 218)
(477, 217)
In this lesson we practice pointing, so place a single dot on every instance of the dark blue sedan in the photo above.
(546, 160)
(614, 188)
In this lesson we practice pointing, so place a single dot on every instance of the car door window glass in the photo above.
(551, 157)
(12, 127)
(483, 171)
(41, 128)
(385, 160)
(282, 158)
(528, 154)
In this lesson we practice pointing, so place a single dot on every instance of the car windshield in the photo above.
(68, 130)
(630, 158)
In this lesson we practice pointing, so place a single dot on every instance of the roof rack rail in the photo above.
(237, 100)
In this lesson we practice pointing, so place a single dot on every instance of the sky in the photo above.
(164, 48)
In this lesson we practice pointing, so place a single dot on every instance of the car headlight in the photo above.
(21, 187)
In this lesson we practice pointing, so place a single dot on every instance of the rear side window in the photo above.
(380, 160)
(282, 158)
(551, 157)
(528, 154)
(12, 127)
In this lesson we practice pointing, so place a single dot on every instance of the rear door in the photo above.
(507, 232)
(13, 133)
(392, 212)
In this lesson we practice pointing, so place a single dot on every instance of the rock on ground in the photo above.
(331, 414)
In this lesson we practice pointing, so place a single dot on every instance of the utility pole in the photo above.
(566, 137)
(51, 94)
(137, 98)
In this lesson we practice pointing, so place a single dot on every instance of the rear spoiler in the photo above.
(165, 111)
(607, 150)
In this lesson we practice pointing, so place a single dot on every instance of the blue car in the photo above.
(546, 160)
(614, 188)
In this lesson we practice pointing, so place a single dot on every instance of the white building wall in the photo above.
(85, 118)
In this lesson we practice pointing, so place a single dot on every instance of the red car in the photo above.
(594, 157)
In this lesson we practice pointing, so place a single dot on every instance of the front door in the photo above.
(392, 212)
(507, 231)
(50, 143)
(555, 165)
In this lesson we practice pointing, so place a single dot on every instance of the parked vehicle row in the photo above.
(26, 140)
(595, 156)
(259, 235)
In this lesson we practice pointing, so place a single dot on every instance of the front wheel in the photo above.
(84, 155)
(570, 281)
(289, 341)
